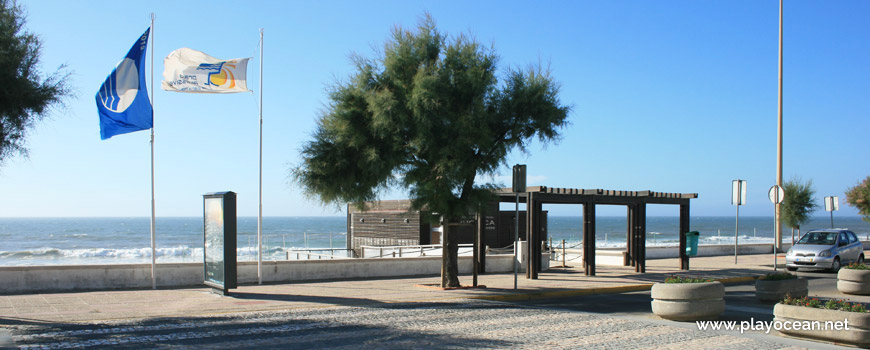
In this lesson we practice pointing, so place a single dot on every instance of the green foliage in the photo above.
(681, 279)
(778, 276)
(25, 96)
(832, 304)
(859, 197)
(428, 115)
(856, 266)
(798, 203)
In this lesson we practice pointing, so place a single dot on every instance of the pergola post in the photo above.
(589, 238)
(480, 243)
(684, 228)
(538, 235)
(641, 252)
(629, 236)
(531, 221)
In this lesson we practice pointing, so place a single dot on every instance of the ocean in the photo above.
(76, 241)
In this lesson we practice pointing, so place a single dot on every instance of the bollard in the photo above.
(563, 253)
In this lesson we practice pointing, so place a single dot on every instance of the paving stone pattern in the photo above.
(461, 324)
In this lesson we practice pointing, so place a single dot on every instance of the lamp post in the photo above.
(777, 209)
(776, 195)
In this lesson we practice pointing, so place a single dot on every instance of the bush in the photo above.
(856, 266)
(681, 279)
(778, 276)
(832, 304)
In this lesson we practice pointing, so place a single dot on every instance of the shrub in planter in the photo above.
(808, 311)
(854, 279)
(776, 286)
(688, 299)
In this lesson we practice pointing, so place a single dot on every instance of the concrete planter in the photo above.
(858, 322)
(688, 301)
(854, 281)
(778, 289)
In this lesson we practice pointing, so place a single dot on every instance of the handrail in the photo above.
(412, 249)
(308, 253)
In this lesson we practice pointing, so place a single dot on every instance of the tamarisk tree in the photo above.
(859, 197)
(798, 204)
(25, 96)
(428, 115)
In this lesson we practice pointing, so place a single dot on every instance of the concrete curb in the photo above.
(590, 291)
(563, 293)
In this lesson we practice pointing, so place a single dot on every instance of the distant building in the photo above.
(393, 223)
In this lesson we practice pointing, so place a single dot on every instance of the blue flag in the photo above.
(123, 99)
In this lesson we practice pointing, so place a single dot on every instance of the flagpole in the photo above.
(153, 241)
(260, 211)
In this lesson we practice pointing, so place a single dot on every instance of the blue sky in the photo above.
(671, 96)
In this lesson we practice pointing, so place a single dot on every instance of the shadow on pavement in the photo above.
(279, 330)
(342, 301)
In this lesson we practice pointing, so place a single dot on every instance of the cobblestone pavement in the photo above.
(461, 324)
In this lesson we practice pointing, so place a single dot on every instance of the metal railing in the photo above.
(409, 251)
(307, 254)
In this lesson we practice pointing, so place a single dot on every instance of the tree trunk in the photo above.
(450, 255)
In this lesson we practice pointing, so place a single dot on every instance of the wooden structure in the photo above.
(635, 201)
(394, 223)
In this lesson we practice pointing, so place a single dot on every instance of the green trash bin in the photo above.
(692, 243)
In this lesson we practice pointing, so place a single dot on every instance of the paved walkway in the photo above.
(132, 304)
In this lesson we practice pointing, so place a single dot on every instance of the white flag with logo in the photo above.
(188, 70)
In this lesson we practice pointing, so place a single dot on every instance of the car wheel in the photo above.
(861, 259)
(791, 268)
(835, 266)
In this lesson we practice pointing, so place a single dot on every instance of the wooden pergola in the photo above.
(636, 201)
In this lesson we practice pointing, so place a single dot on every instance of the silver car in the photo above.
(825, 249)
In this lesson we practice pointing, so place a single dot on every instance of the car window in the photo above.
(844, 238)
(852, 237)
(824, 238)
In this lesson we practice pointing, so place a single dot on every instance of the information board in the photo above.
(219, 240)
